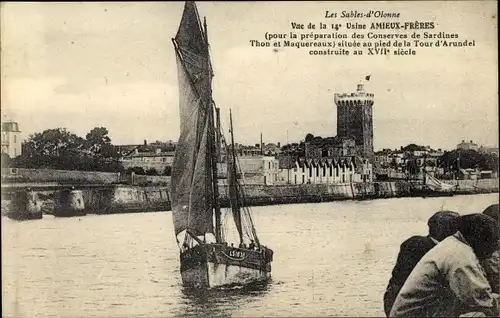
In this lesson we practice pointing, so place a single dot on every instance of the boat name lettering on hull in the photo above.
(238, 254)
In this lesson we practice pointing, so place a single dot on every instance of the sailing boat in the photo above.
(433, 187)
(207, 260)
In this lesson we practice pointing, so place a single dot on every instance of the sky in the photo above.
(80, 65)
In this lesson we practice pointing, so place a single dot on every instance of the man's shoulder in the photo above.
(417, 241)
(454, 251)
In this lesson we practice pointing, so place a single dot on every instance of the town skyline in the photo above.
(99, 69)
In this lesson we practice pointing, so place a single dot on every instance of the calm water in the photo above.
(331, 259)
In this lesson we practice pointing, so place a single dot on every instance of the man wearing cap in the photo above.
(449, 280)
(491, 264)
(441, 225)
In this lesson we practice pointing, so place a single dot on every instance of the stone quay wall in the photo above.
(128, 198)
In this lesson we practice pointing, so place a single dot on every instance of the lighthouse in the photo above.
(355, 120)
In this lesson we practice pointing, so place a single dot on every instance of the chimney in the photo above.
(145, 142)
(471, 141)
(261, 145)
(279, 144)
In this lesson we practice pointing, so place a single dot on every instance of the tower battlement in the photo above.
(360, 95)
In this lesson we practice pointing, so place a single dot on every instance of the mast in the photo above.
(288, 158)
(219, 133)
(212, 149)
(235, 203)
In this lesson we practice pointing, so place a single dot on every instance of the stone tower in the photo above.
(354, 119)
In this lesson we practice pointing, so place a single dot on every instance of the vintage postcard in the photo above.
(250, 159)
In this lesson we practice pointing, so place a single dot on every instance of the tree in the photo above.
(59, 149)
(104, 156)
(98, 143)
(309, 137)
(6, 161)
(53, 148)
(413, 147)
(465, 159)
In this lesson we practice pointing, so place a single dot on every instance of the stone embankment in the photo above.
(129, 199)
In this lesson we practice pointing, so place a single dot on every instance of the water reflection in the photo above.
(220, 302)
(331, 259)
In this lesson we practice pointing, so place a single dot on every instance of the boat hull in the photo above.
(218, 265)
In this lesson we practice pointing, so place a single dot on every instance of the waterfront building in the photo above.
(355, 119)
(325, 170)
(259, 169)
(330, 147)
(271, 149)
(11, 139)
(342, 147)
(382, 159)
(468, 146)
(258, 150)
(148, 159)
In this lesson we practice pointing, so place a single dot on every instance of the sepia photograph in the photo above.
(250, 159)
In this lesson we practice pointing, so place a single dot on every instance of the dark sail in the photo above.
(191, 183)
(234, 194)
(193, 48)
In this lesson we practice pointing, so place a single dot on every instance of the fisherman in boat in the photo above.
(441, 225)
(491, 265)
(449, 280)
